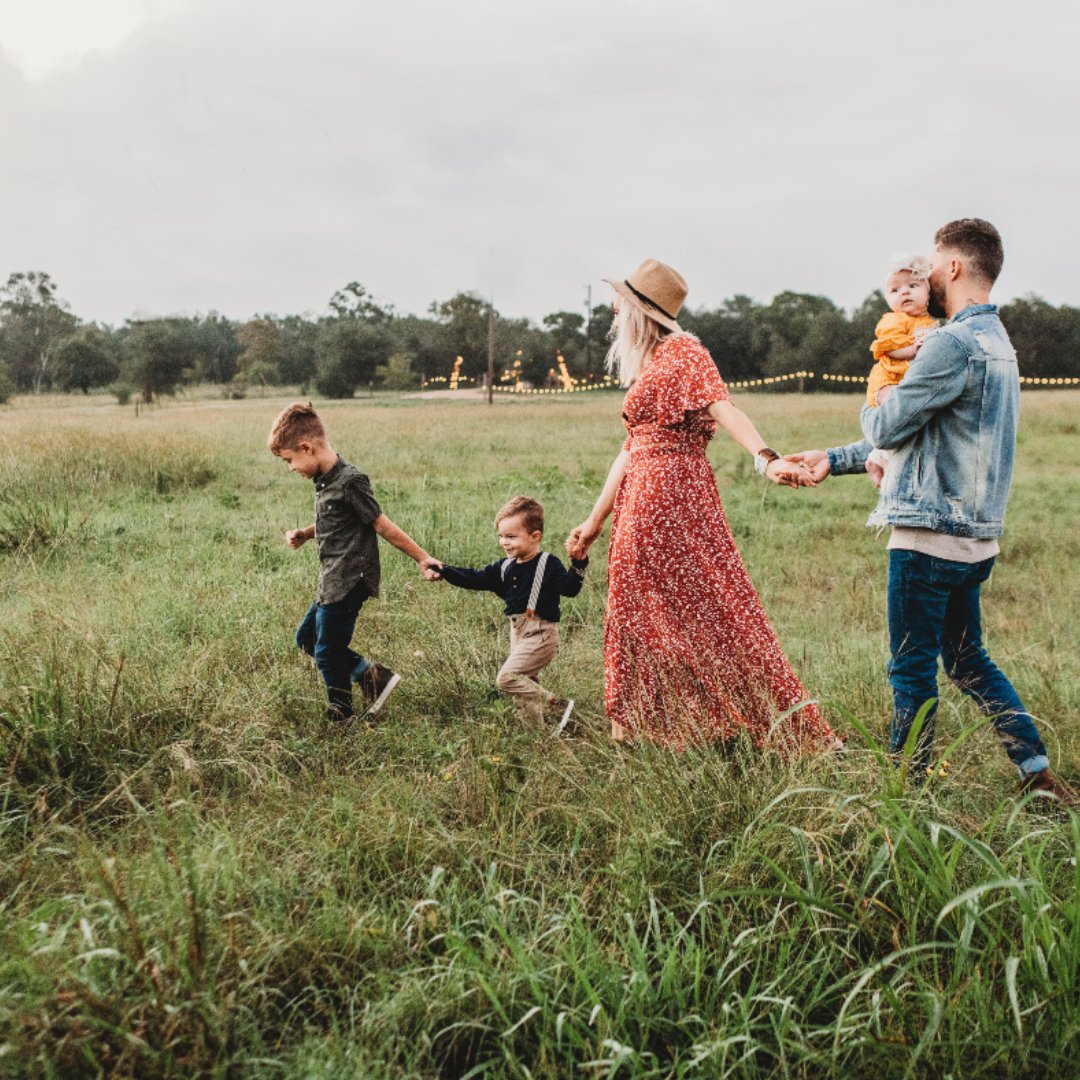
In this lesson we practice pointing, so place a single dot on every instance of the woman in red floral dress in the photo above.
(689, 655)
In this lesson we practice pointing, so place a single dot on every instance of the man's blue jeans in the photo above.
(934, 611)
(325, 634)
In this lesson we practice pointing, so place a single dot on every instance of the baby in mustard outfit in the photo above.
(899, 334)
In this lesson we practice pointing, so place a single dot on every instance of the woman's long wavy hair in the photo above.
(633, 337)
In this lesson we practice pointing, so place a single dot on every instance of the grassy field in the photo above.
(197, 877)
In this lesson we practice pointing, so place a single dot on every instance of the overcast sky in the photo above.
(250, 156)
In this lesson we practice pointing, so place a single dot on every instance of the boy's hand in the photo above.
(296, 538)
(430, 569)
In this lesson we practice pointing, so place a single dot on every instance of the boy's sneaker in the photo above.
(559, 710)
(1047, 783)
(377, 684)
(337, 714)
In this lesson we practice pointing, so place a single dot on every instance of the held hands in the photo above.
(430, 568)
(582, 538)
(789, 473)
(815, 462)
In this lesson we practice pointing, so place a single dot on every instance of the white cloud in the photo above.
(256, 156)
(48, 35)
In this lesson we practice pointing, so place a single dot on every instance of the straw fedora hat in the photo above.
(655, 288)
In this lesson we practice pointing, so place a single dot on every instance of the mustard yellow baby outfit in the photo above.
(895, 330)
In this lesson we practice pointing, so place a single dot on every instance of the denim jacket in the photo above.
(951, 427)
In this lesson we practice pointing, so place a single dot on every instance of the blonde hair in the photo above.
(913, 262)
(295, 424)
(633, 337)
(531, 511)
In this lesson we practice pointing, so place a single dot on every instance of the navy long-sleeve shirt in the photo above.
(516, 584)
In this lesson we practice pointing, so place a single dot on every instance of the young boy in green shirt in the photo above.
(348, 522)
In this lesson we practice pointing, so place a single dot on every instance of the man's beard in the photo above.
(936, 304)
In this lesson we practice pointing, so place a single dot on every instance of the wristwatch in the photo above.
(764, 458)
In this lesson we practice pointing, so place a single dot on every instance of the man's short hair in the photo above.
(530, 510)
(295, 424)
(979, 241)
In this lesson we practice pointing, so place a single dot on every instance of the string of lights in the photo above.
(509, 385)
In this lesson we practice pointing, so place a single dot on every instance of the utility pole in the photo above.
(491, 350)
(588, 329)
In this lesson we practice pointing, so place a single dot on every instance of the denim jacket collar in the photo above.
(971, 310)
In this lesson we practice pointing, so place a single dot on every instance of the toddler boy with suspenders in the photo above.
(530, 581)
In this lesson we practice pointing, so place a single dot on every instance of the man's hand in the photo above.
(816, 462)
(430, 569)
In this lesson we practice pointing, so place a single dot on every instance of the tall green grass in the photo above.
(197, 877)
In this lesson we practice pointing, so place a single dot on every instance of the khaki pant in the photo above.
(533, 645)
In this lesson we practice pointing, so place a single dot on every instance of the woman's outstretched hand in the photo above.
(581, 539)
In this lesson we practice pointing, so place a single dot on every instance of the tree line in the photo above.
(360, 342)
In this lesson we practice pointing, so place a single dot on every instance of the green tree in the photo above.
(566, 335)
(465, 319)
(349, 352)
(7, 385)
(1046, 338)
(86, 359)
(855, 357)
(353, 301)
(157, 353)
(596, 337)
(786, 322)
(260, 359)
(299, 349)
(827, 338)
(733, 336)
(428, 344)
(397, 373)
(33, 320)
(537, 347)
(216, 347)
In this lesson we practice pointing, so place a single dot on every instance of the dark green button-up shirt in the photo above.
(345, 511)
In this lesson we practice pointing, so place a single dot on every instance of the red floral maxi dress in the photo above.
(689, 655)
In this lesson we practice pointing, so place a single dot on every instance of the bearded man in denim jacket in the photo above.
(951, 425)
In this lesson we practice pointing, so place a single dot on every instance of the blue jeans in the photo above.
(934, 611)
(324, 634)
